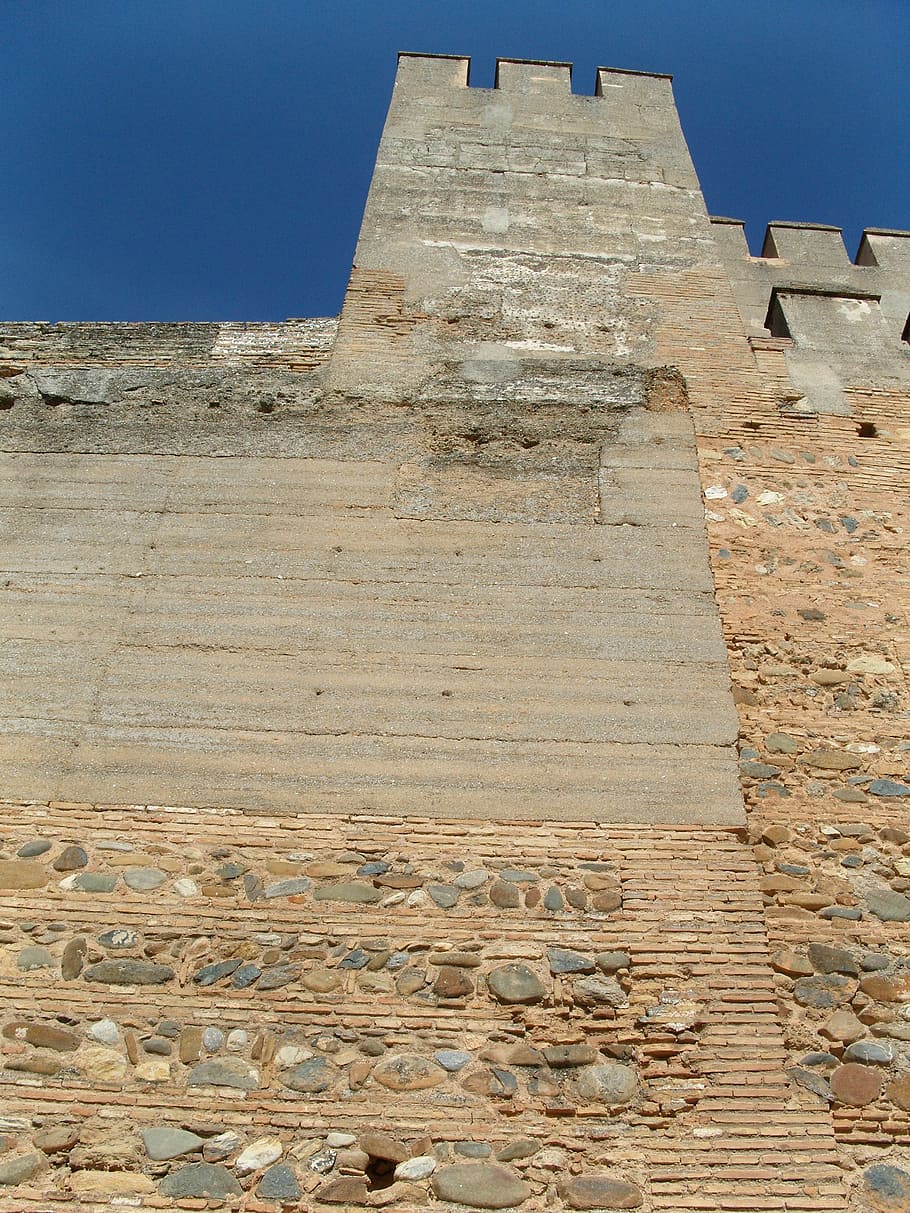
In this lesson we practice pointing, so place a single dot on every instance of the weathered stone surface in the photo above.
(888, 905)
(515, 983)
(70, 858)
(452, 983)
(279, 1183)
(610, 1083)
(199, 1179)
(408, 1072)
(596, 989)
(481, 1185)
(258, 1154)
(826, 959)
(887, 1188)
(57, 1140)
(21, 1168)
(419, 1167)
(381, 1145)
(310, 1077)
(228, 1073)
(344, 1191)
(129, 973)
(832, 760)
(824, 992)
(164, 1143)
(600, 1192)
(562, 960)
(855, 1084)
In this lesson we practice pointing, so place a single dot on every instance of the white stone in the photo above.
(186, 887)
(869, 664)
(157, 1069)
(105, 1031)
(416, 1168)
(338, 1141)
(417, 898)
(769, 498)
(291, 1055)
(262, 1153)
(237, 1040)
(393, 899)
(715, 492)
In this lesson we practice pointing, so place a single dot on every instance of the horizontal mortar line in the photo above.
(234, 579)
(252, 731)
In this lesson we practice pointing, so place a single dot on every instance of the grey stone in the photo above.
(164, 1143)
(472, 879)
(375, 867)
(812, 1082)
(144, 880)
(228, 1073)
(522, 1147)
(869, 1053)
(819, 1059)
(21, 1169)
(209, 974)
(888, 905)
(610, 962)
(610, 1083)
(515, 983)
(473, 1149)
(600, 990)
(310, 1077)
(564, 961)
(444, 895)
(451, 1059)
(289, 888)
(888, 788)
(129, 973)
(95, 882)
(279, 1183)
(518, 876)
(826, 959)
(758, 770)
(119, 937)
(279, 976)
(890, 1186)
(830, 990)
(35, 958)
(245, 976)
(553, 900)
(29, 850)
(850, 913)
(483, 1185)
(212, 1039)
(200, 1179)
(356, 959)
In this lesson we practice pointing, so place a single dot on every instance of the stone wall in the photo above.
(375, 834)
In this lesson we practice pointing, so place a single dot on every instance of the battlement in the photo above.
(549, 76)
(816, 245)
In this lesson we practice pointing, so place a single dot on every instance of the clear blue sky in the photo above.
(209, 159)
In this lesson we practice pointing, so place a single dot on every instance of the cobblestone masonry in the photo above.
(462, 907)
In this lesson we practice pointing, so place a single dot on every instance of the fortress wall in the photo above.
(444, 893)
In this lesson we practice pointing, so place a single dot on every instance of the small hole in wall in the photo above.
(905, 335)
(752, 425)
(866, 429)
(380, 1173)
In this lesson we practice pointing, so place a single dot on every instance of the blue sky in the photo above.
(209, 159)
